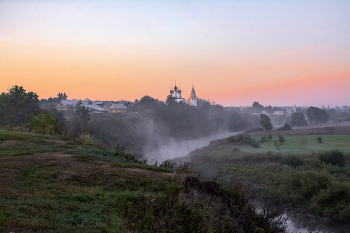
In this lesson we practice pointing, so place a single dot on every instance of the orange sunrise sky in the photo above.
(233, 52)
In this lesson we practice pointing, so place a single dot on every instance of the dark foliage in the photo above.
(17, 106)
(298, 119)
(319, 139)
(286, 126)
(317, 115)
(292, 160)
(334, 157)
(281, 139)
(265, 122)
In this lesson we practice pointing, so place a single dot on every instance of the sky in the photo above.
(279, 53)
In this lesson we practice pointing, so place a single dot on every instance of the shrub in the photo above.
(292, 160)
(286, 126)
(277, 144)
(281, 139)
(334, 157)
(255, 143)
(269, 137)
(44, 123)
(263, 139)
(319, 139)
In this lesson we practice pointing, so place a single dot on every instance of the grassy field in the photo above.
(302, 144)
(293, 174)
(57, 184)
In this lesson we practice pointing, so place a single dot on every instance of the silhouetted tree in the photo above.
(257, 107)
(17, 106)
(298, 119)
(317, 115)
(265, 122)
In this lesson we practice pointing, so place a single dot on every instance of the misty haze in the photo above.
(175, 116)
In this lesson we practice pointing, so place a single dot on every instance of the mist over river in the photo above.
(172, 149)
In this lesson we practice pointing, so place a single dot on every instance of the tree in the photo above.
(64, 96)
(281, 139)
(17, 106)
(170, 100)
(44, 123)
(257, 107)
(82, 115)
(298, 119)
(60, 96)
(146, 100)
(265, 122)
(317, 115)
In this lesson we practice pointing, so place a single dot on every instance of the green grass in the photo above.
(65, 186)
(294, 144)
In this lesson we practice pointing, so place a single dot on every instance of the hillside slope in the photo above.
(55, 184)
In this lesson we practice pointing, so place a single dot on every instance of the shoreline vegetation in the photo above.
(306, 171)
(53, 183)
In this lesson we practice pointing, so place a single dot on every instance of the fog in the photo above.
(171, 148)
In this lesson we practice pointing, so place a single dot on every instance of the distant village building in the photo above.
(176, 93)
(68, 106)
(117, 108)
(193, 100)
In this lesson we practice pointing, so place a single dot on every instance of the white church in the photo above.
(176, 93)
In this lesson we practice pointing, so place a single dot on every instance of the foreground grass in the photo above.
(54, 184)
(296, 177)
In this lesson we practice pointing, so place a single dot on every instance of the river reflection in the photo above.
(299, 220)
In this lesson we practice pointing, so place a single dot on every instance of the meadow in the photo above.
(301, 144)
(59, 184)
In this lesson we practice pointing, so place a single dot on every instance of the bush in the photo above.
(263, 139)
(255, 143)
(245, 138)
(277, 144)
(292, 160)
(44, 123)
(334, 157)
(319, 139)
(281, 139)
(286, 126)
(269, 137)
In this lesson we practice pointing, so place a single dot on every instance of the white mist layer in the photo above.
(173, 149)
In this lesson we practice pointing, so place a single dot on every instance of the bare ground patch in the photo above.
(8, 143)
(56, 141)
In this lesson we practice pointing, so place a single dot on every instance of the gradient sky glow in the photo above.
(234, 52)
